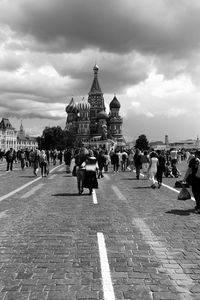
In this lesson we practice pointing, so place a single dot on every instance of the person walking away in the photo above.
(43, 163)
(131, 160)
(60, 156)
(115, 161)
(124, 161)
(55, 154)
(192, 176)
(35, 160)
(101, 163)
(173, 156)
(80, 159)
(48, 156)
(67, 159)
(145, 163)
(111, 156)
(160, 167)
(91, 169)
(153, 167)
(22, 158)
(10, 157)
(138, 163)
(107, 158)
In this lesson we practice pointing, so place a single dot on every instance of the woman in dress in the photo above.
(91, 168)
(153, 166)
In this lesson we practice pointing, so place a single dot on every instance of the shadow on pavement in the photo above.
(130, 178)
(66, 194)
(141, 187)
(29, 176)
(181, 212)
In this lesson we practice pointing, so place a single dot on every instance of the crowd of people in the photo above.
(90, 164)
(35, 158)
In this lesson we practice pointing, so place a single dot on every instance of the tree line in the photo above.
(57, 138)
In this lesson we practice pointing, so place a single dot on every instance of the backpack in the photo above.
(42, 158)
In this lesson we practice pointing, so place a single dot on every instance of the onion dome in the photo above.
(71, 107)
(83, 105)
(102, 115)
(115, 103)
(72, 118)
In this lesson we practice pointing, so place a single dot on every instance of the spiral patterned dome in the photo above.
(83, 105)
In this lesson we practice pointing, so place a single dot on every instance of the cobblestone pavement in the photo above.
(50, 246)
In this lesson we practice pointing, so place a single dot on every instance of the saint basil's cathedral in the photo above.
(90, 123)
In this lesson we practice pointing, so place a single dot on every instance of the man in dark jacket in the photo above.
(10, 157)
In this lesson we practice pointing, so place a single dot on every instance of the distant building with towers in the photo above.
(11, 138)
(88, 119)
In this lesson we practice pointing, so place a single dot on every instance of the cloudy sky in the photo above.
(148, 52)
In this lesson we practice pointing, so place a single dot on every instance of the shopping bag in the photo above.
(184, 194)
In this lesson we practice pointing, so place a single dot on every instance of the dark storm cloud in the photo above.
(115, 26)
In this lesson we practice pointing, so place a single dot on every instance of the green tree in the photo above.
(56, 138)
(142, 142)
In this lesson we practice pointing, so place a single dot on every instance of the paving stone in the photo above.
(49, 246)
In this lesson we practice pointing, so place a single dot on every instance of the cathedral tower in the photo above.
(95, 97)
(115, 121)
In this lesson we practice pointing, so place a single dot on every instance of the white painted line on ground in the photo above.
(23, 187)
(52, 177)
(94, 197)
(32, 191)
(18, 189)
(171, 188)
(179, 279)
(105, 269)
(62, 169)
(174, 190)
(118, 193)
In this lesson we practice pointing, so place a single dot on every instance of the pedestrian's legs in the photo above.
(159, 175)
(196, 192)
(45, 169)
(152, 178)
(137, 172)
(80, 180)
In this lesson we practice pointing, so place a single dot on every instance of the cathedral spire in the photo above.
(95, 88)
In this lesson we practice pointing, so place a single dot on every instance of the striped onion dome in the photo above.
(83, 105)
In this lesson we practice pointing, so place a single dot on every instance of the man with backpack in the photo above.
(10, 157)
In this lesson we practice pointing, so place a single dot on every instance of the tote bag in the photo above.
(184, 194)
